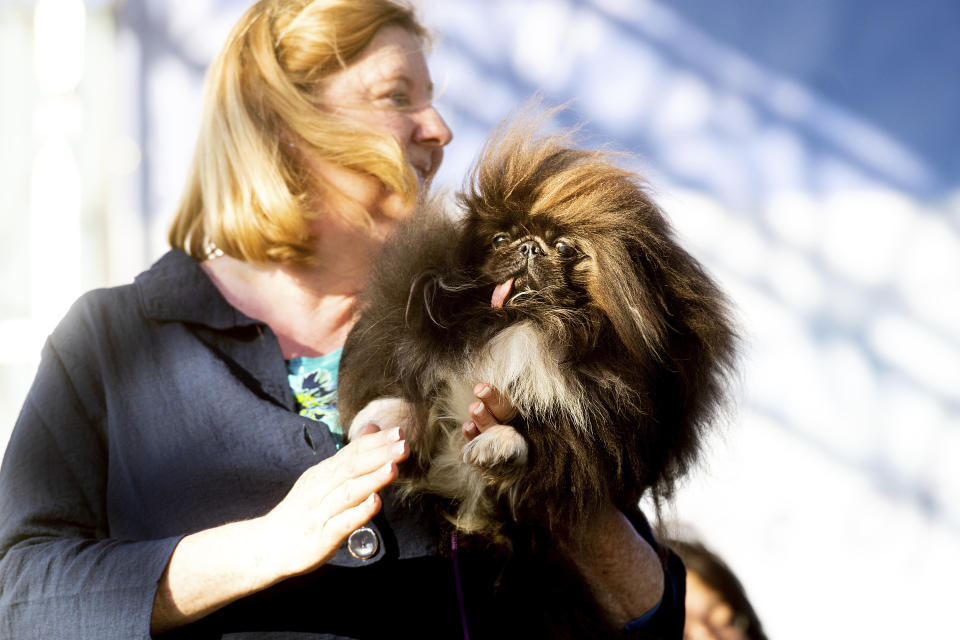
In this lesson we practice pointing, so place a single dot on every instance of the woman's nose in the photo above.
(431, 129)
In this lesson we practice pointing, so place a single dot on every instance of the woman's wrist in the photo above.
(269, 554)
(278, 549)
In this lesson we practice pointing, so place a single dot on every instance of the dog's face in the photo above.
(563, 235)
(537, 262)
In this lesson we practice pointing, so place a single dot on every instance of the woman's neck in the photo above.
(310, 309)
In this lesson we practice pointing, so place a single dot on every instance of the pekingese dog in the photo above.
(563, 286)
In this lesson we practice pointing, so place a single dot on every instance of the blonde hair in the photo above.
(247, 192)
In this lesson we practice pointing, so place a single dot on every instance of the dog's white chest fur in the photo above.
(517, 361)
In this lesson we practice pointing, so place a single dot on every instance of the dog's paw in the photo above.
(497, 445)
(386, 413)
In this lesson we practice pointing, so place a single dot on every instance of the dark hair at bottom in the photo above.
(718, 576)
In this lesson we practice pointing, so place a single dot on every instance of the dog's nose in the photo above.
(530, 249)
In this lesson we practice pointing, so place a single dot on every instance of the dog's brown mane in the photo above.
(658, 299)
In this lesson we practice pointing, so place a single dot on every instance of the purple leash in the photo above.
(456, 574)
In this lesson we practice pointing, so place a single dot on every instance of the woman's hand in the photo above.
(332, 499)
(491, 408)
(212, 568)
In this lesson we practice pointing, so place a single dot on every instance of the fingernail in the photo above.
(469, 426)
(476, 408)
(481, 390)
(387, 469)
(399, 448)
(394, 434)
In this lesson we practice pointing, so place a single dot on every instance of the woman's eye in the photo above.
(399, 99)
(500, 240)
(565, 250)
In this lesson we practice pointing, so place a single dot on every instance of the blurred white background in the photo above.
(806, 152)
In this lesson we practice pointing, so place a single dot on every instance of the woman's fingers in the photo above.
(344, 523)
(366, 465)
(334, 497)
(498, 405)
(354, 491)
(491, 408)
(364, 454)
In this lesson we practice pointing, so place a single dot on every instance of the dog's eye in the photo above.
(565, 250)
(500, 240)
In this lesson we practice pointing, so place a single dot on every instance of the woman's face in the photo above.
(388, 87)
(708, 616)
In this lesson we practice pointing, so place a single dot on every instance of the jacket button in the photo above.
(363, 543)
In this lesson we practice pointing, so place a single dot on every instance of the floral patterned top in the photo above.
(314, 385)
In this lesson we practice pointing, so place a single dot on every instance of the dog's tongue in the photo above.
(501, 293)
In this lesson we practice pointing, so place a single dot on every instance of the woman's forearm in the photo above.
(210, 569)
(621, 569)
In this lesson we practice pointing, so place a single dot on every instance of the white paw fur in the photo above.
(386, 413)
(497, 445)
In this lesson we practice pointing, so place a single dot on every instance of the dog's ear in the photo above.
(658, 298)
(620, 286)
(667, 312)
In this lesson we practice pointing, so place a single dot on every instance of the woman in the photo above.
(165, 472)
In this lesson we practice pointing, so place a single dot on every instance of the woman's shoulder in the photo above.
(173, 288)
(124, 299)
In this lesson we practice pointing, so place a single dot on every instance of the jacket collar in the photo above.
(175, 288)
